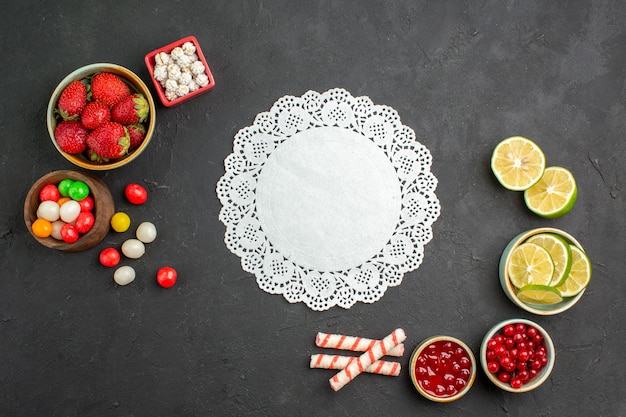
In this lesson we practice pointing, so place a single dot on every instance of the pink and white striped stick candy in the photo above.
(353, 343)
(380, 367)
(374, 353)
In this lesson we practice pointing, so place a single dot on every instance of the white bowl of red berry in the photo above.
(101, 116)
(442, 368)
(517, 355)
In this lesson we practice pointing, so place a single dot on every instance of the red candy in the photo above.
(166, 277)
(84, 222)
(136, 194)
(87, 203)
(443, 368)
(516, 355)
(49, 192)
(109, 257)
(69, 233)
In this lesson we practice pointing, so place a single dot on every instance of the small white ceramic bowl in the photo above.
(543, 374)
(509, 289)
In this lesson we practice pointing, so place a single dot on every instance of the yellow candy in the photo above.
(120, 222)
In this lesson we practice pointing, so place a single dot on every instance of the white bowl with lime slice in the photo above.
(544, 271)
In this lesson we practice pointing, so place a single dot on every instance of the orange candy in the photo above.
(42, 228)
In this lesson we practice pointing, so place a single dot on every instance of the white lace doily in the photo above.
(328, 199)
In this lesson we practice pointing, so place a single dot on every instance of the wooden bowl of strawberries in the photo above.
(101, 116)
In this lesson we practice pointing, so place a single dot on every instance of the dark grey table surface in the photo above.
(463, 75)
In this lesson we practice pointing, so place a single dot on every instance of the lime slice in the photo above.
(554, 195)
(530, 264)
(579, 275)
(518, 163)
(560, 253)
(539, 295)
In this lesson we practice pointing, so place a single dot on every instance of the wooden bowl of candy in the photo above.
(442, 368)
(68, 210)
(517, 355)
(101, 116)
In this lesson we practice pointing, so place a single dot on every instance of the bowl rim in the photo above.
(150, 64)
(537, 380)
(421, 346)
(508, 288)
(81, 73)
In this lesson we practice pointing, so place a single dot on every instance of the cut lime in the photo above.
(560, 253)
(554, 195)
(530, 264)
(579, 275)
(539, 295)
(518, 163)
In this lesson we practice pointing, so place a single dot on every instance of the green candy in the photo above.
(78, 190)
(64, 187)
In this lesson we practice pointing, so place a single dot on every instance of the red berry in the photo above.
(166, 276)
(49, 192)
(508, 330)
(131, 109)
(71, 136)
(84, 222)
(109, 88)
(109, 257)
(94, 114)
(520, 328)
(72, 100)
(69, 234)
(493, 367)
(136, 194)
(504, 376)
(491, 344)
(110, 140)
(516, 383)
(500, 350)
(137, 133)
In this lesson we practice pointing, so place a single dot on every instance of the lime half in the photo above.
(579, 275)
(560, 253)
(554, 195)
(530, 264)
(518, 163)
(539, 295)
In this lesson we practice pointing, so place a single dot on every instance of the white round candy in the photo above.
(69, 211)
(133, 248)
(56, 229)
(146, 232)
(48, 210)
(124, 275)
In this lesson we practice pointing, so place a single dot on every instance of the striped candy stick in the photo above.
(380, 367)
(353, 343)
(374, 353)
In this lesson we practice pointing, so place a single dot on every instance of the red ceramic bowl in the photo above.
(151, 64)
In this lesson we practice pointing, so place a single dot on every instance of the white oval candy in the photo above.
(48, 210)
(56, 229)
(124, 275)
(69, 211)
(133, 248)
(146, 232)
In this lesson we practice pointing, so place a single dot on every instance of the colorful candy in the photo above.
(136, 194)
(120, 222)
(124, 275)
(166, 277)
(59, 206)
(133, 248)
(146, 232)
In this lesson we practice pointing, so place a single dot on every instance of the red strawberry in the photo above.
(94, 114)
(71, 136)
(72, 100)
(108, 88)
(110, 140)
(137, 133)
(132, 109)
